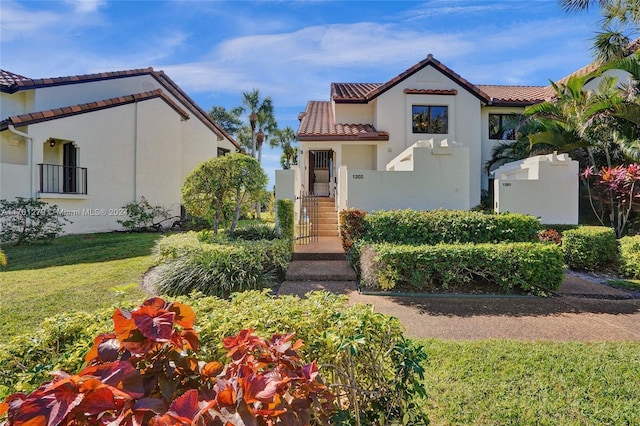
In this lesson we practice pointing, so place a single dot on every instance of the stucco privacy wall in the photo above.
(439, 180)
(127, 155)
(545, 186)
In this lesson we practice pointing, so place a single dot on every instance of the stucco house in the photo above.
(426, 119)
(93, 143)
(421, 140)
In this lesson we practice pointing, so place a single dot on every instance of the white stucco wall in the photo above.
(354, 113)
(545, 186)
(440, 180)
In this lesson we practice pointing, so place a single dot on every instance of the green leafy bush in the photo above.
(362, 355)
(141, 216)
(630, 256)
(284, 210)
(590, 248)
(256, 231)
(217, 266)
(147, 371)
(449, 227)
(530, 267)
(27, 220)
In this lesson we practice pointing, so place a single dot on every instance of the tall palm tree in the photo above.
(260, 113)
(284, 138)
(267, 124)
(620, 23)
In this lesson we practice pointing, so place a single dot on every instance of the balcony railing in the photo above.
(57, 179)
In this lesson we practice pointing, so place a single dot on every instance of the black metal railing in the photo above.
(308, 219)
(57, 179)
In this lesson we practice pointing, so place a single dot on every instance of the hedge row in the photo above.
(216, 266)
(332, 331)
(529, 267)
(630, 256)
(590, 248)
(448, 226)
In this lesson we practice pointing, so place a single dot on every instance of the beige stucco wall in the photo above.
(545, 186)
(360, 157)
(127, 155)
(439, 180)
(354, 113)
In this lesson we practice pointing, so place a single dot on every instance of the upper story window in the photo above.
(503, 126)
(430, 119)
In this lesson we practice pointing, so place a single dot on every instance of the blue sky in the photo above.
(292, 51)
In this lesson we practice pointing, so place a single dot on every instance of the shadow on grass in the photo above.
(77, 249)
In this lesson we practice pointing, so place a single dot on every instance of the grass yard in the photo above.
(482, 382)
(524, 383)
(76, 272)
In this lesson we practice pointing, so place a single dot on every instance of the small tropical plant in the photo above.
(147, 372)
(26, 220)
(142, 215)
(614, 192)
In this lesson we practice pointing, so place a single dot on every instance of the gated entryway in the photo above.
(307, 226)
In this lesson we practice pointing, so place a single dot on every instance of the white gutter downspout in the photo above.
(29, 138)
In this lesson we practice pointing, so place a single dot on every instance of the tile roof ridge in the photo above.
(70, 110)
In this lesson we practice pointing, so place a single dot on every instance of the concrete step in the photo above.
(300, 288)
(328, 233)
(319, 256)
(320, 270)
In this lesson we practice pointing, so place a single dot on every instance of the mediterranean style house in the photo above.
(91, 144)
(421, 140)
(370, 128)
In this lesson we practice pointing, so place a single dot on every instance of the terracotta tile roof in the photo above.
(9, 79)
(56, 113)
(318, 124)
(22, 83)
(516, 95)
(365, 92)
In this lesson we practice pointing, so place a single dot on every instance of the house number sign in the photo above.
(357, 176)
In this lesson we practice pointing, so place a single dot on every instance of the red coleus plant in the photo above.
(147, 373)
(614, 192)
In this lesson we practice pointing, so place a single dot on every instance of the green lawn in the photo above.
(482, 383)
(76, 272)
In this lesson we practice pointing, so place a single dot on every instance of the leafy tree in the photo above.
(26, 220)
(620, 23)
(218, 181)
(229, 120)
(285, 138)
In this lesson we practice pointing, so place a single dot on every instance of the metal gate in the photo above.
(307, 226)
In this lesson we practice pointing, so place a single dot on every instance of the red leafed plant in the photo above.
(550, 236)
(614, 192)
(147, 373)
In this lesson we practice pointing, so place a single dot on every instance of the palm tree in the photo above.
(620, 22)
(284, 138)
(260, 113)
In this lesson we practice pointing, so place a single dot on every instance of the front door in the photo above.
(69, 163)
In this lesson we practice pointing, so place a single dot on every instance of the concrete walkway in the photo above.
(583, 309)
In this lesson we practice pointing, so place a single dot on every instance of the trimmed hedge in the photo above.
(188, 262)
(590, 248)
(285, 222)
(630, 256)
(448, 227)
(365, 346)
(528, 267)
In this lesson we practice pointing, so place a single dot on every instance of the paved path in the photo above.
(583, 310)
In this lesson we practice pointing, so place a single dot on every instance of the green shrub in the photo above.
(216, 266)
(285, 220)
(529, 267)
(362, 355)
(449, 227)
(352, 227)
(27, 220)
(630, 256)
(590, 248)
(255, 231)
(141, 216)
